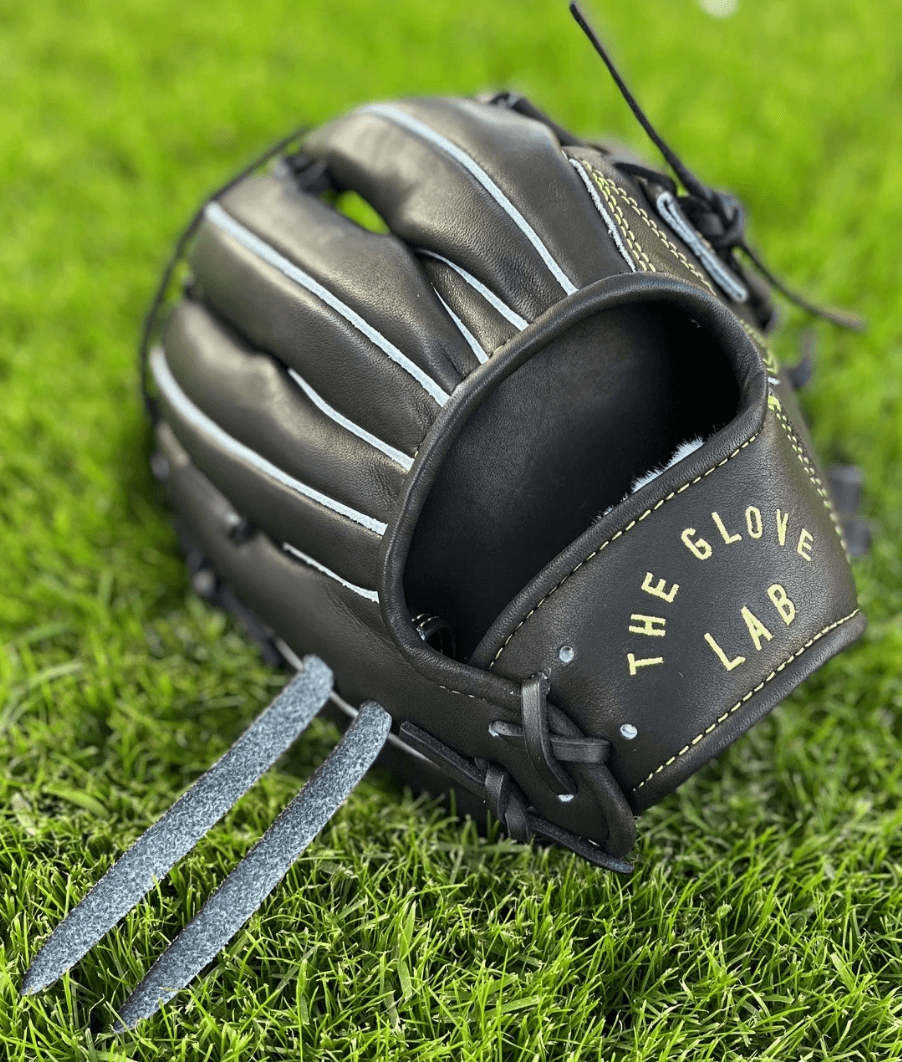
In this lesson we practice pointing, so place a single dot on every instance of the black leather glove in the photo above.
(457, 424)
(519, 467)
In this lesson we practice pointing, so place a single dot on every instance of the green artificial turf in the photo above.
(764, 919)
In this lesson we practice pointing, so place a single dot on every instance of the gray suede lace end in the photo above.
(263, 868)
(174, 835)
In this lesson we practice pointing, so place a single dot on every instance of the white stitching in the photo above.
(490, 297)
(399, 458)
(196, 416)
(653, 225)
(672, 247)
(472, 343)
(370, 595)
(669, 209)
(214, 213)
(605, 187)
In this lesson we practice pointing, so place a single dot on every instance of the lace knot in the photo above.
(721, 220)
(506, 803)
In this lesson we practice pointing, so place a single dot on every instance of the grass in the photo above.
(764, 920)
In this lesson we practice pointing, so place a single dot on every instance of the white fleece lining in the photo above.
(683, 450)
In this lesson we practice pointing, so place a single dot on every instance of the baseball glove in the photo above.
(518, 465)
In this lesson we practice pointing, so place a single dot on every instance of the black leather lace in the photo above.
(718, 216)
(550, 740)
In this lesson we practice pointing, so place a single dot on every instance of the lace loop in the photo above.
(723, 227)
(494, 784)
(533, 694)
(718, 216)
(565, 749)
(506, 803)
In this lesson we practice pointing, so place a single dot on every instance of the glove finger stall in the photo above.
(232, 383)
(391, 380)
(344, 539)
(410, 160)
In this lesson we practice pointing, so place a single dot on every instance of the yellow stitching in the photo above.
(641, 256)
(665, 238)
(806, 464)
(652, 224)
(607, 186)
(726, 715)
(661, 234)
(460, 693)
(767, 355)
(635, 247)
(754, 333)
(804, 460)
(613, 538)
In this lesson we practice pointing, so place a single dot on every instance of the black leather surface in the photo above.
(313, 613)
(487, 325)
(428, 199)
(373, 273)
(282, 318)
(232, 383)
(492, 525)
(553, 447)
(686, 698)
(333, 539)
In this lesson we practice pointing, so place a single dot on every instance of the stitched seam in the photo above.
(653, 225)
(803, 457)
(460, 693)
(710, 247)
(754, 333)
(806, 464)
(610, 224)
(604, 187)
(648, 512)
(767, 355)
(642, 258)
(665, 239)
(726, 715)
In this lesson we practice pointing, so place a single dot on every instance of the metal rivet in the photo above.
(566, 653)
(628, 731)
